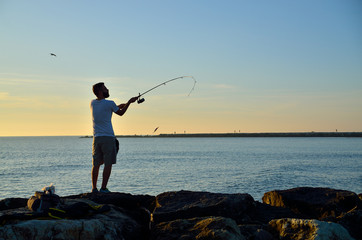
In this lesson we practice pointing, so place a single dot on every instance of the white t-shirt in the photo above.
(102, 114)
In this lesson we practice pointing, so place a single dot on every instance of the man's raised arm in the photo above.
(124, 106)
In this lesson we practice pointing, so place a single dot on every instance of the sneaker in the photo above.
(94, 190)
(104, 190)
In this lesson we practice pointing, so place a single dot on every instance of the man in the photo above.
(104, 140)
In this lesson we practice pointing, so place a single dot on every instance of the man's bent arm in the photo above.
(123, 107)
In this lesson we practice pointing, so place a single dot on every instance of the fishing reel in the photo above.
(140, 100)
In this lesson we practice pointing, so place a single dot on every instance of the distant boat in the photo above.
(86, 136)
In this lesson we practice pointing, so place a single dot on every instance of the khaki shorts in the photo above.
(104, 151)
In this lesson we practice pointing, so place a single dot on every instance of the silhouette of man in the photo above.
(104, 148)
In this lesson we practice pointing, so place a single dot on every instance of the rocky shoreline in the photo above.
(298, 213)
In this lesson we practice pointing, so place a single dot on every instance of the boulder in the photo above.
(263, 213)
(210, 228)
(139, 207)
(290, 228)
(261, 234)
(109, 216)
(186, 204)
(255, 232)
(316, 203)
(110, 225)
(352, 221)
(124, 200)
(12, 203)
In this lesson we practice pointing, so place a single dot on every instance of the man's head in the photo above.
(100, 90)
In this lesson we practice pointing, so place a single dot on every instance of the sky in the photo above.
(260, 66)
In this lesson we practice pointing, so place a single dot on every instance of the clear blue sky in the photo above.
(260, 66)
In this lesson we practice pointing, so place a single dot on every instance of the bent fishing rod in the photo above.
(141, 100)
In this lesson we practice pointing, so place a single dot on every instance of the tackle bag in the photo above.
(42, 201)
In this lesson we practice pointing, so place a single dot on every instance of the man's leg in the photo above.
(106, 174)
(95, 171)
(110, 157)
(97, 161)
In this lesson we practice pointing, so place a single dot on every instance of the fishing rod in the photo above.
(141, 100)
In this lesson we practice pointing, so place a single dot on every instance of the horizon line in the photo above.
(198, 133)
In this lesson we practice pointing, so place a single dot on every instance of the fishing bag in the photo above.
(42, 201)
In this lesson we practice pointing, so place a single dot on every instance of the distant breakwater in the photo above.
(287, 134)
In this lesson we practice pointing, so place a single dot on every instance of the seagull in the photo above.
(52, 54)
(155, 129)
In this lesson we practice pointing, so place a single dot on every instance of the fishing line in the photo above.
(141, 100)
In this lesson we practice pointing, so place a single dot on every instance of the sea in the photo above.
(153, 165)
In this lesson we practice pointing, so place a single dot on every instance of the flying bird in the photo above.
(52, 54)
(155, 129)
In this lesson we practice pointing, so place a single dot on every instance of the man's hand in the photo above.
(123, 107)
(132, 100)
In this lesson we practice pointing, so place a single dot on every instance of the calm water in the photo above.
(156, 165)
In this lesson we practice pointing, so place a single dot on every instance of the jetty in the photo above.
(266, 134)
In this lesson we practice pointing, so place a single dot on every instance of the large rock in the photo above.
(263, 213)
(124, 216)
(139, 207)
(308, 230)
(352, 221)
(12, 203)
(255, 232)
(315, 203)
(210, 228)
(112, 224)
(187, 204)
(124, 200)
